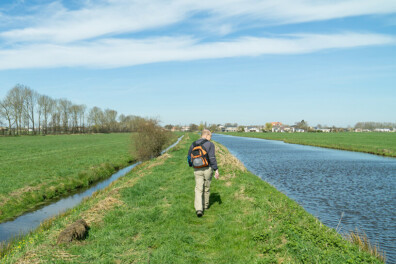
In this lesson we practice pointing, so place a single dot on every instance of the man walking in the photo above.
(201, 156)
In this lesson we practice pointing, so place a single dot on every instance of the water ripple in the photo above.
(327, 183)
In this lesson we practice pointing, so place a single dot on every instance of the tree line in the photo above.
(24, 111)
(374, 125)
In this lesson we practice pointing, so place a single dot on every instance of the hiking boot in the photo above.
(199, 213)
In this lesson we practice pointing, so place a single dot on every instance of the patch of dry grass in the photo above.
(97, 212)
(360, 238)
(159, 161)
(226, 159)
(242, 196)
(19, 192)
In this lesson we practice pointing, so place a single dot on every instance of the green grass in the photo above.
(36, 169)
(148, 217)
(375, 143)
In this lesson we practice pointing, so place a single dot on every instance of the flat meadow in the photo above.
(375, 142)
(36, 169)
(148, 216)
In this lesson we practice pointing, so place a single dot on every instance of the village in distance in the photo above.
(279, 127)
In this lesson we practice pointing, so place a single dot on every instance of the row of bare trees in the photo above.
(24, 111)
(374, 125)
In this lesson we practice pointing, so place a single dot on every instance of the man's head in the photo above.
(206, 134)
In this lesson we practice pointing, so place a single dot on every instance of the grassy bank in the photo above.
(37, 169)
(375, 143)
(148, 217)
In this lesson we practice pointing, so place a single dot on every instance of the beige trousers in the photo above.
(203, 177)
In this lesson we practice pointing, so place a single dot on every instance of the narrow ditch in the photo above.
(31, 220)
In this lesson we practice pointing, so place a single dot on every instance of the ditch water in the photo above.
(328, 183)
(30, 221)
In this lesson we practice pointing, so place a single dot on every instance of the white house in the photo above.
(185, 128)
(251, 129)
(289, 129)
(231, 129)
(325, 130)
(382, 130)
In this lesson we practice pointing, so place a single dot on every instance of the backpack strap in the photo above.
(200, 144)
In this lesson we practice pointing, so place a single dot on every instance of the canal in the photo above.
(328, 184)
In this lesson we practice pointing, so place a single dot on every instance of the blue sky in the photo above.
(250, 62)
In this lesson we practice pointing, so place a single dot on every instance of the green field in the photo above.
(374, 143)
(36, 169)
(148, 216)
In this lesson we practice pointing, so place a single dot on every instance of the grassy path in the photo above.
(374, 143)
(36, 169)
(148, 217)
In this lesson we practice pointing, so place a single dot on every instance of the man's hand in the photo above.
(217, 174)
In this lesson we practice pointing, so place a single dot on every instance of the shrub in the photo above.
(150, 139)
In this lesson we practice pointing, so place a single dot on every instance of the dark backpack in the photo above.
(199, 155)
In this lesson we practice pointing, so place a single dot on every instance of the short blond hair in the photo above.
(206, 132)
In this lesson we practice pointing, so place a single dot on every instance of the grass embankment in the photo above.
(148, 217)
(36, 169)
(375, 143)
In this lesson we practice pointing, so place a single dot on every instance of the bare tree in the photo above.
(56, 117)
(65, 106)
(30, 105)
(133, 122)
(110, 119)
(122, 123)
(6, 112)
(74, 110)
(95, 119)
(45, 106)
(81, 114)
(25, 122)
(17, 100)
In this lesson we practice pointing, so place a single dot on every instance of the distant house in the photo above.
(277, 124)
(277, 129)
(230, 129)
(300, 130)
(362, 130)
(382, 130)
(289, 129)
(252, 129)
(325, 130)
(3, 130)
(280, 128)
(185, 128)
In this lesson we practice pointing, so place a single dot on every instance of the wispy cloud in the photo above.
(109, 53)
(55, 23)
(103, 33)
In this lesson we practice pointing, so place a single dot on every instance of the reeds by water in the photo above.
(360, 238)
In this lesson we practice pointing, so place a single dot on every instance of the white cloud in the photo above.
(92, 21)
(54, 36)
(55, 24)
(110, 53)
